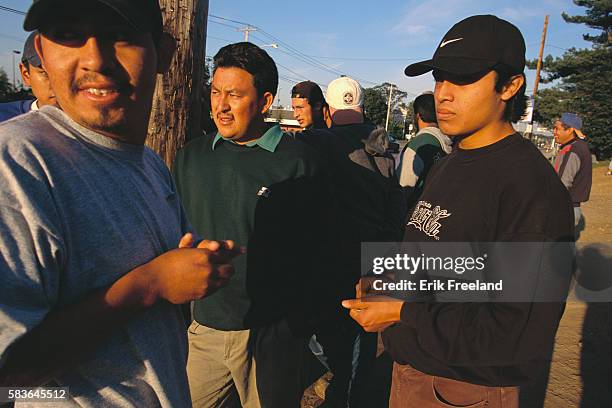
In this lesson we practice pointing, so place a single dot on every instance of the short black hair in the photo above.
(254, 60)
(424, 105)
(517, 105)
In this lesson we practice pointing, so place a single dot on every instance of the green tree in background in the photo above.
(597, 16)
(375, 105)
(376, 101)
(9, 93)
(397, 96)
(583, 79)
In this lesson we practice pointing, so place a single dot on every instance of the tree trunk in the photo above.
(177, 103)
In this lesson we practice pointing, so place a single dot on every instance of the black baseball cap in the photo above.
(144, 15)
(474, 45)
(308, 90)
(29, 55)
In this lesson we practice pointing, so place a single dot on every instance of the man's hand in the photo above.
(373, 313)
(186, 274)
(179, 276)
(188, 240)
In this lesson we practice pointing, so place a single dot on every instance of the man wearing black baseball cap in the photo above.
(494, 187)
(35, 77)
(308, 105)
(89, 219)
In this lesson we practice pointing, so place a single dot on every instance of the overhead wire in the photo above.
(12, 10)
(223, 24)
(302, 59)
(10, 37)
(292, 51)
(312, 61)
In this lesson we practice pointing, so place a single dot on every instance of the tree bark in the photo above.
(177, 102)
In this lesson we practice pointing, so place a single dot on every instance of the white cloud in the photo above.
(321, 43)
(518, 13)
(425, 18)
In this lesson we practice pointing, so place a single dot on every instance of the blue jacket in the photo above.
(9, 110)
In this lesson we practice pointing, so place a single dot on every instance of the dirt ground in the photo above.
(580, 374)
(581, 369)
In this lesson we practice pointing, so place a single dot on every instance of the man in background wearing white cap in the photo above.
(369, 208)
(573, 163)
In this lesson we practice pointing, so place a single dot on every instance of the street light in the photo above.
(14, 52)
(273, 45)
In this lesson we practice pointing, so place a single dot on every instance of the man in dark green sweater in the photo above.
(263, 189)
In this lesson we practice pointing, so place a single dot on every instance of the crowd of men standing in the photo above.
(102, 246)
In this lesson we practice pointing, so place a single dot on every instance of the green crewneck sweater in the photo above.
(270, 197)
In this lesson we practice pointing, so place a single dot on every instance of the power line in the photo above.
(556, 46)
(312, 60)
(230, 20)
(277, 63)
(292, 54)
(293, 72)
(288, 79)
(368, 59)
(12, 10)
(220, 39)
(292, 51)
(301, 58)
(223, 24)
(10, 37)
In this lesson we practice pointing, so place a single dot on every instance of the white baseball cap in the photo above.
(344, 93)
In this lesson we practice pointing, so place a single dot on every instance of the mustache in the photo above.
(109, 81)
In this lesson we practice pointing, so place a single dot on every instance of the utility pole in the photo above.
(176, 115)
(537, 78)
(15, 52)
(246, 32)
(389, 107)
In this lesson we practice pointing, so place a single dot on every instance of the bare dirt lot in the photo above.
(580, 374)
(581, 370)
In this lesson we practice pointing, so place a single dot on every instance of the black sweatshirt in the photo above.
(505, 192)
(368, 201)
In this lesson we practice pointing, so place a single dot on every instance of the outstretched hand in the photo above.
(187, 273)
(373, 313)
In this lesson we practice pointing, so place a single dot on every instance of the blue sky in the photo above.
(372, 41)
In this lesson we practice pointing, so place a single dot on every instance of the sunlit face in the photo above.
(302, 111)
(236, 107)
(562, 134)
(37, 79)
(466, 105)
(101, 70)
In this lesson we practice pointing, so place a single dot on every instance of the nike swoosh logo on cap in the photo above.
(450, 41)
